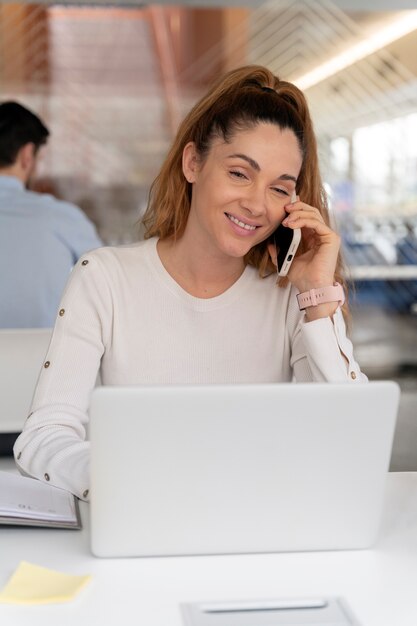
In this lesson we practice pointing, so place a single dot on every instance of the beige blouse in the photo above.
(124, 316)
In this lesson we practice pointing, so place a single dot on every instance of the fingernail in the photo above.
(297, 198)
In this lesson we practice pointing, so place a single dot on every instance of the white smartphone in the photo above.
(286, 242)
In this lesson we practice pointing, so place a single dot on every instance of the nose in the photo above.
(255, 201)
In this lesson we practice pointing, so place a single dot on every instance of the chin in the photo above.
(239, 249)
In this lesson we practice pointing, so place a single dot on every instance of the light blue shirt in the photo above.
(41, 238)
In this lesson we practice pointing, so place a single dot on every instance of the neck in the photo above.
(200, 272)
(13, 170)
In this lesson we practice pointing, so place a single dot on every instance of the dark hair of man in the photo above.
(18, 127)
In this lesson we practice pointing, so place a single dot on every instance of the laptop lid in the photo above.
(22, 353)
(183, 470)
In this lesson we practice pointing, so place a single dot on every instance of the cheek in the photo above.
(277, 214)
(214, 195)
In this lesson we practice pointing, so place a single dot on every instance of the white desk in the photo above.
(380, 585)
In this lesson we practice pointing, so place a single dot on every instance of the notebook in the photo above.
(225, 469)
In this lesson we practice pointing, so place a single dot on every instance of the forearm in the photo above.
(320, 311)
(322, 352)
(52, 448)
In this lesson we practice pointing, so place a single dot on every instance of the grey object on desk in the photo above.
(229, 469)
(22, 351)
(280, 612)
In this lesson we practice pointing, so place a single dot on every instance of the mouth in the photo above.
(244, 225)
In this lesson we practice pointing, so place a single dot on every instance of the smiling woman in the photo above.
(239, 190)
(240, 101)
(198, 300)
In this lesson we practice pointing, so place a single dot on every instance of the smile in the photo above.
(239, 223)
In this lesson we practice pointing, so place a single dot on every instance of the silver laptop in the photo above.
(187, 470)
(22, 352)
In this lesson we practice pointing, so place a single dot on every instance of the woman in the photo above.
(198, 300)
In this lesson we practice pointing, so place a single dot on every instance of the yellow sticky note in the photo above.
(32, 584)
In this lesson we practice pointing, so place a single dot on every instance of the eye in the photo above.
(281, 192)
(237, 174)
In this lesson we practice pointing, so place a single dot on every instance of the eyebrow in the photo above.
(255, 165)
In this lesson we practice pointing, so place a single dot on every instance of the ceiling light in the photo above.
(396, 29)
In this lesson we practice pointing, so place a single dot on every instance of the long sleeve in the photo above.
(322, 352)
(52, 446)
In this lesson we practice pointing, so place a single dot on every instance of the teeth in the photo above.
(239, 223)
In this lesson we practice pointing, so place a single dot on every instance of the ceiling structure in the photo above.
(113, 81)
(86, 51)
(345, 5)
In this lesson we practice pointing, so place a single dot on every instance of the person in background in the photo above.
(197, 302)
(41, 238)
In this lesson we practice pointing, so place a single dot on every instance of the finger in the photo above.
(296, 212)
(292, 202)
(312, 222)
(298, 204)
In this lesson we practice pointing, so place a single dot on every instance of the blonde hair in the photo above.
(239, 100)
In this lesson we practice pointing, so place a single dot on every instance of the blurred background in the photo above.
(112, 81)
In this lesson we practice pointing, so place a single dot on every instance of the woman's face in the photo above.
(240, 188)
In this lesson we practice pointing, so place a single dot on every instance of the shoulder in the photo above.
(116, 261)
(111, 272)
(108, 255)
(55, 207)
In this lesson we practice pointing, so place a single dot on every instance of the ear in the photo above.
(26, 156)
(190, 162)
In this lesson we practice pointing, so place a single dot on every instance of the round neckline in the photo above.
(225, 298)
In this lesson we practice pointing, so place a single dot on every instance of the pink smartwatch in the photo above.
(321, 295)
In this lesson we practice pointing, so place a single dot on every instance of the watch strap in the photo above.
(321, 295)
